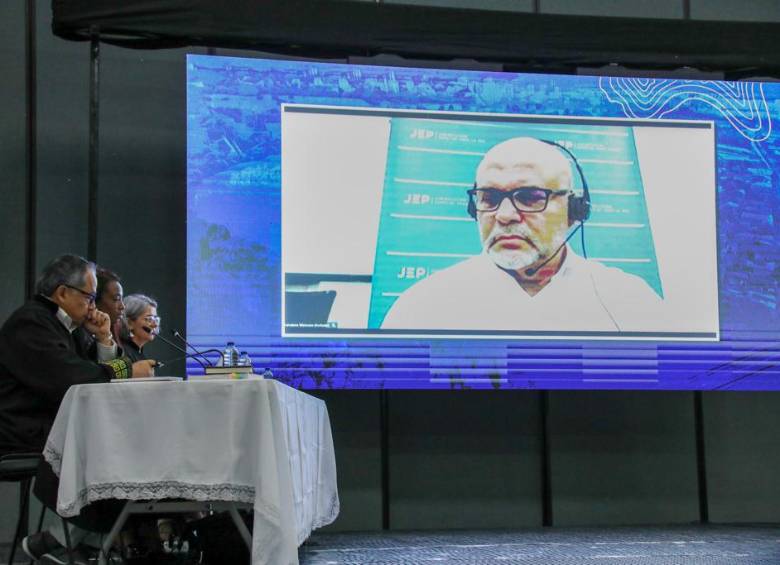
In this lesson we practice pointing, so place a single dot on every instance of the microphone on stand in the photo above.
(187, 356)
(177, 335)
(176, 347)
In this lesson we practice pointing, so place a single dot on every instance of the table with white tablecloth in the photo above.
(249, 441)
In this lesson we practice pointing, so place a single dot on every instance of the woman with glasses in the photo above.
(139, 326)
(144, 535)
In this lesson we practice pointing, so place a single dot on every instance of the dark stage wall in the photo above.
(453, 460)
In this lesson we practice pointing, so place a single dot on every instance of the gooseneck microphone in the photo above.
(531, 271)
(177, 335)
(188, 356)
(176, 347)
(195, 356)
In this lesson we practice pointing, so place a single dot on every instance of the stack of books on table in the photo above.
(227, 373)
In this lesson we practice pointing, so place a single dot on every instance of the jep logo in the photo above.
(420, 133)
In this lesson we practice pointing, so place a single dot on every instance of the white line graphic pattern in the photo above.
(742, 103)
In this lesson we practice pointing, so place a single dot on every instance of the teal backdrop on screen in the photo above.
(424, 227)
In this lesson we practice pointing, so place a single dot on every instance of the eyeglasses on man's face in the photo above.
(527, 199)
(90, 296)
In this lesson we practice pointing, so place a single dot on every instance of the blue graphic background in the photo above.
(233, 259)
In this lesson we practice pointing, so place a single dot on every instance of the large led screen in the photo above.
(376, 227)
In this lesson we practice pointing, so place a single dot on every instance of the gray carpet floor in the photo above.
(653, 545)
(683, 545)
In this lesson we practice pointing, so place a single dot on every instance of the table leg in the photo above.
(116, 528)
(242, 529)
(68, 544)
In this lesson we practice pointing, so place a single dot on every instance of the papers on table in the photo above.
(147, 380)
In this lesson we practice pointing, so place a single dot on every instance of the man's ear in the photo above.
(58, 296)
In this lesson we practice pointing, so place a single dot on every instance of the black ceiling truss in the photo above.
(341, 28)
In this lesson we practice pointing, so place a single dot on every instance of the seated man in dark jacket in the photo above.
(40, 359)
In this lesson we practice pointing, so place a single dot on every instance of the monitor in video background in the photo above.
(350, 227)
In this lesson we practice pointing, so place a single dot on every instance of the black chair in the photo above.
(22, 468)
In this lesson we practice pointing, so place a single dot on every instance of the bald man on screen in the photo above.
(527, 277)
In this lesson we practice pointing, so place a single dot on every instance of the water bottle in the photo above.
(267, 374)
(233, 354)
(230, 355)
(244, 360)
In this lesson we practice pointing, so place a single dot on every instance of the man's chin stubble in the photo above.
(512, 261)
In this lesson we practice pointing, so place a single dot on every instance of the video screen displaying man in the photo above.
(585, 227)
(527, 276)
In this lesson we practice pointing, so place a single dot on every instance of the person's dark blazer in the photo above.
(39, 361)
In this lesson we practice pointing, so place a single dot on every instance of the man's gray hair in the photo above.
(135, 304)
(63, 270)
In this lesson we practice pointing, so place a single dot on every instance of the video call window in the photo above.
(399, 223)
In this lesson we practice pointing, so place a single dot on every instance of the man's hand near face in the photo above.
(99, 324)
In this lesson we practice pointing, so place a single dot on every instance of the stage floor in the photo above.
(653, 545)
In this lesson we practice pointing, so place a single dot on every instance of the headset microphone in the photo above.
(531, 271)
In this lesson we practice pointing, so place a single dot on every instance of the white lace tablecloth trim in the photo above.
(52, 457)
(159, 491)
(324, 520)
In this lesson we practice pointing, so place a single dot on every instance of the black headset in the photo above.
(579, 206)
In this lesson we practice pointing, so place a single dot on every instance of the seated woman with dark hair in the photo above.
(139, 325)
(108, 297)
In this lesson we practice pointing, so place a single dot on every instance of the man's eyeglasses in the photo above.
(152, 319)
(526, 199)
(90, 296)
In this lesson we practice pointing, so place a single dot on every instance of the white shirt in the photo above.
(476, 294)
